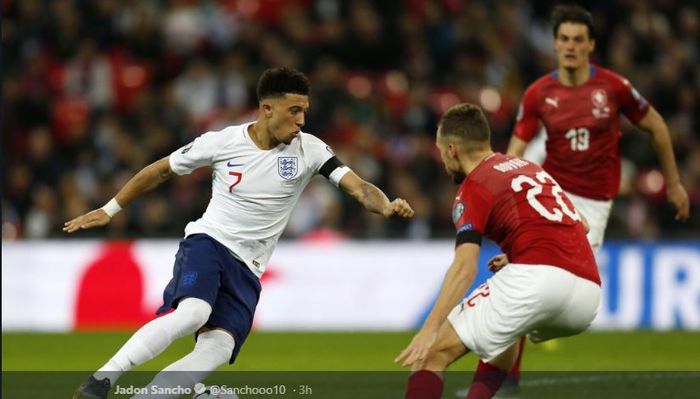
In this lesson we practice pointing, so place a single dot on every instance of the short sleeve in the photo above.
(196, 154)
(470, 213)
(323, 160)
(316, 151)
(527, 122)
(632, 104)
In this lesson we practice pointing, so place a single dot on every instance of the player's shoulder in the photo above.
(544, 81)
(238, 131)
(540, 87)
(609, 75)
(308, 137)
(313, 147)
(310, 141)
(498, 170)
(492, 167)
(500, 164)
(227, 133)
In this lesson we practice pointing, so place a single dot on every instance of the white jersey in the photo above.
(253, 191)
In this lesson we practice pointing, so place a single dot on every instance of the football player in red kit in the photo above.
(580, 106)
(550, 288)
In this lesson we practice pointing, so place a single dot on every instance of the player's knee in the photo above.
(216, 344)
(195, 312)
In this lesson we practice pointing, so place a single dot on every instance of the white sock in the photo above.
(213, 348)
(152, 339)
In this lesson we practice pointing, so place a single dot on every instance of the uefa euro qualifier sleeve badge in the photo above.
(287, 167)
(457, 212)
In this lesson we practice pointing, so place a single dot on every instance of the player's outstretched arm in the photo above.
(145, 180)
(374, 199)
(675, 193)
(458, 279)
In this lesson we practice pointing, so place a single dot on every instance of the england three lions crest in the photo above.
(287, 167)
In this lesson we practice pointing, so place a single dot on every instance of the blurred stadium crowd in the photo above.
(95, 90)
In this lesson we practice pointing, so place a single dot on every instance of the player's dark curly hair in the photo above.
(572, 13)
(467, 123)
(276, 82)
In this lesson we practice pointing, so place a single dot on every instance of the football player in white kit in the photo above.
(259, 170)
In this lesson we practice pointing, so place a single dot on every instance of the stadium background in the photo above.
(94, 90)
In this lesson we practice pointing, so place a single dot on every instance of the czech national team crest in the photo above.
(600, 103)
(600, 98)
(287, 167)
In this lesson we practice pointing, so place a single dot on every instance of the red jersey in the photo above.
(519, 206)
(583, 128)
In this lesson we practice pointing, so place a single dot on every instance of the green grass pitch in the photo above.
(594, 364)
(360, 351)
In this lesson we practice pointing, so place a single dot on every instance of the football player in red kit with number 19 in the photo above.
(580, 106)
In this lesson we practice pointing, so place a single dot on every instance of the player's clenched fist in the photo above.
(398, 207)
(95, 218)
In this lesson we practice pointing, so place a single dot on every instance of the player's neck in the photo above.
(260, 136)
(574, 76)
(470, 162)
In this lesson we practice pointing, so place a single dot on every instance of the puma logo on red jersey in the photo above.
(554, 102)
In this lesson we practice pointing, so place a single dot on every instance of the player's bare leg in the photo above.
(425, 381)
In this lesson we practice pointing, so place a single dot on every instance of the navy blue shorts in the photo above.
(205, 269)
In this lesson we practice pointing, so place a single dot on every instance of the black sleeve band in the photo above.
(332, 164)
(468, 236)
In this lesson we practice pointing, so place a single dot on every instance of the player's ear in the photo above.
(266, 108)
(452, 149)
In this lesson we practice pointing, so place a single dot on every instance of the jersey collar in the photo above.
(591, 73)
